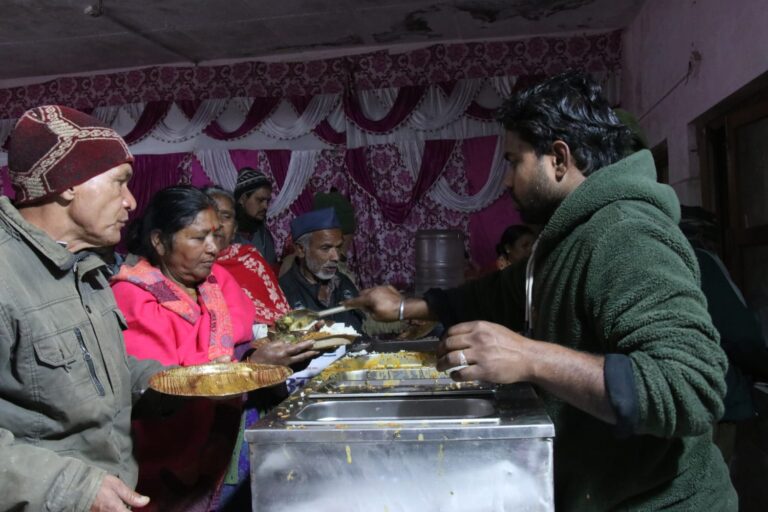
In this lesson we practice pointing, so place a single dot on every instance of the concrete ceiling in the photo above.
(55, 37)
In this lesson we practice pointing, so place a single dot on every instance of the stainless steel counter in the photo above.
(403, 444)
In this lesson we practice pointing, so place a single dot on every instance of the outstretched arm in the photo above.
(383, 304)
(496, 354)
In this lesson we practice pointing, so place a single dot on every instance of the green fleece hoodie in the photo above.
(614, 275)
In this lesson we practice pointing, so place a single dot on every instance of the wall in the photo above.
(732, 40)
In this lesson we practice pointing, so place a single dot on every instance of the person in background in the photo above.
(253, 193)
(740, 333)
(246, 264)
(345, 212)
(346, 215)
(259, 283)
(617, 338)
(742, 340)
(67, 387)
(313, 282)
(515, 245)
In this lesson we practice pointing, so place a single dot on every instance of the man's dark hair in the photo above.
(568, 107)
(169, 211)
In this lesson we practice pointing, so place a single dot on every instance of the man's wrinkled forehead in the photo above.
(326, 236)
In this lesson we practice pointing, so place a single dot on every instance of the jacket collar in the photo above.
(46, 247)
(632, 178)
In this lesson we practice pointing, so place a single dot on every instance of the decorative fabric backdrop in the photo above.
(538, 56)
(383, 249)
(410, 138)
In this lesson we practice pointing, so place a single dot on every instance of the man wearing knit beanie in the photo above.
(253, 192)
(67, 387)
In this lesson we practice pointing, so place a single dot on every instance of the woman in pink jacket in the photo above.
(183, 309)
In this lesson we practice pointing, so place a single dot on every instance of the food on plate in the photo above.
(289, 323)
(326, 335)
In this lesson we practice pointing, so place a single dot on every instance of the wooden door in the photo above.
(746, 232)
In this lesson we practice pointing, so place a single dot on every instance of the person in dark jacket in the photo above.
(617, 337)
(515, 245)
(313, 282)
(253, 193)
(67, 386)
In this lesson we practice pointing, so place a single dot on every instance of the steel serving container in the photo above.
(402, 439)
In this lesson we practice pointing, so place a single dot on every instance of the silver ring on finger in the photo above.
(463, 359)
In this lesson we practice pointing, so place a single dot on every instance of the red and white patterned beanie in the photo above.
(53, 148)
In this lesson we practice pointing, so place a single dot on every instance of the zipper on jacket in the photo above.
(89, 362)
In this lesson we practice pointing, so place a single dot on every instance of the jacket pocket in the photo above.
(51, 352)
(62, 373)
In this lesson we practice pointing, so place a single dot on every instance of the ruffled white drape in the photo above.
(218, 165)
(376, 103)
(319, 108)
(503, 85)
(299, 171)
(442, 193)
(436, 110)
(437, 116)
(106, 115)
(209, 110)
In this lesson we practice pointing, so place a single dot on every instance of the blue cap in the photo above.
(315, 220)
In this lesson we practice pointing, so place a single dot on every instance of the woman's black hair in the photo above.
(513, 232)
(568, 107)
(169, 211)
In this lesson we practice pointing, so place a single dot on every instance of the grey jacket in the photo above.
(66, 383)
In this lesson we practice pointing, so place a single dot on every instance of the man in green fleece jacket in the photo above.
(617, 335)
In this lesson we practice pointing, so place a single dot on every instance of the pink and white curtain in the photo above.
(409, 137)
(391, 201)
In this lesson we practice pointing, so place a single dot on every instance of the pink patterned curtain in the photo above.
(7, 189)
(152, 114)
(324, 130)
(436, 154)
(383, 247)
(406, 101)
(391, 204)
(485, 226)
(279, 160)
(152, 173)
(260, 109)
(536, 56)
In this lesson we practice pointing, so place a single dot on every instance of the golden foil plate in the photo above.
(218, 380)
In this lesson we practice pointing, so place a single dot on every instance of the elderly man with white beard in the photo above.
(314, 282)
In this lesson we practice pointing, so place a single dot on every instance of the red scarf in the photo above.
(256, 278)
